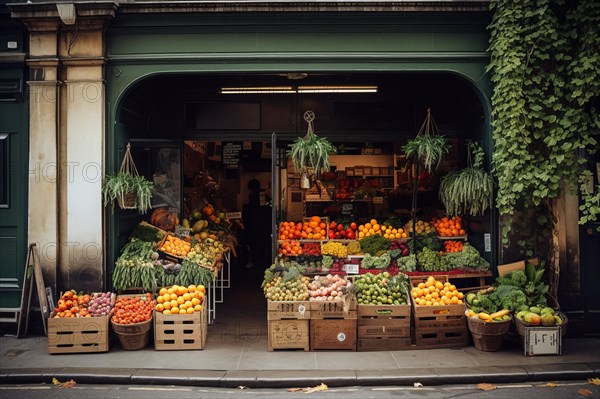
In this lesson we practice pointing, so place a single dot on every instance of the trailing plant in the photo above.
(546, 77)
(311, 151)
(123, 183)
(470, 190)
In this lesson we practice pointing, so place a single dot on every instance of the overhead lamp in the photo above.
(67, 13)
(258, 90)
(337, 89)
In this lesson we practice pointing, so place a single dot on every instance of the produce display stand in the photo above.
(181, 331)
(333, 325)
(384, 327)
(78, 335)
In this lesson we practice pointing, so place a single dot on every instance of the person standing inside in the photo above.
(256, 215)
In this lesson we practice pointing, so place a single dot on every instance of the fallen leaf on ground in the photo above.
(242, 387)
(418, 385)
(56, 382)
(318, 388)
(585, 392)
(550, 385)
(68, 384)
(486, 387)
(594, 381)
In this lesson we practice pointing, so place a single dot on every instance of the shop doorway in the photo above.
(192, 112)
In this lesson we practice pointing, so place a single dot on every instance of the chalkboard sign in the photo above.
(32, 281)
(231, 154)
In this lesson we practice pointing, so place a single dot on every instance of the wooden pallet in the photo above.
(181, 331)
(288, 310)
(288, 334)
(333, 334)
(78, 335)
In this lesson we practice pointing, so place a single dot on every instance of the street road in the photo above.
(537, 390)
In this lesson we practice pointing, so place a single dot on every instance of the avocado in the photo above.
(535, 309)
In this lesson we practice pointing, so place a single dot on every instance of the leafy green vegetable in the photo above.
(430, 261)
(407, 263)
(430, 241)
(374, 244)
(469, 258)
(376, 262)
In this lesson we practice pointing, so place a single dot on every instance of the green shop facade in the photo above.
(97, 75)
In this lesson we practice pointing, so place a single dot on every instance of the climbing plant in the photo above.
(545, 68)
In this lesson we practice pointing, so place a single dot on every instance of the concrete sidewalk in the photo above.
(236, 358)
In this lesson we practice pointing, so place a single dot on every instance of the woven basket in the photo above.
(127, 201)
(133, 337)
(488, 337)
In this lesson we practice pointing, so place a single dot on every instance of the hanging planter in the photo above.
(428, 147)
(470, 190)
(310, 152)
(127, 187)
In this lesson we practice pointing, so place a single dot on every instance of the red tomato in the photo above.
(353, 226)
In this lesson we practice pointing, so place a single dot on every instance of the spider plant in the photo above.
(311, 151)
(469, 190)
(119, 186)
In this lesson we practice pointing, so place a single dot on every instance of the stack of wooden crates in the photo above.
(439, 326)
(180, 331)
(333, 325)
(384, 327)
(288, 324)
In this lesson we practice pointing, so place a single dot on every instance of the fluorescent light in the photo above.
(337, 89)
(300, 89)
(258, 90)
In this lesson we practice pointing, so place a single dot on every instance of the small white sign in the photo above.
(350, 268)
(542, 341)
(487, 242)
(341, 337)
(12, 45)
(378, 200)
(233, 215)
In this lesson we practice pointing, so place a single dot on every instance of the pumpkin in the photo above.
(164, 219)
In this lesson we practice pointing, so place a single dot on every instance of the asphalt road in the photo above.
(537, 390)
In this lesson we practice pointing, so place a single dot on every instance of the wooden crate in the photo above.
(288, 334)
(384, 327)
(78, 335)
(288, 310)
(441, 338)
(379, 321)
(337, 309)
(180, 331)
(333, 334)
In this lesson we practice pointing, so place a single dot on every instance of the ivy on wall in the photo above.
(545, 68)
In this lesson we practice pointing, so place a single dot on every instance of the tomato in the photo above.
(340, 227)
(353, 226)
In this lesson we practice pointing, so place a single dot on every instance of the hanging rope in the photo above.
(128, 166)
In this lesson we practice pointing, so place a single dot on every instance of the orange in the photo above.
(190, 310)
(167, 311)
(167, 305)
(162, 291)
(198, 308)
(182, 311)
(160, 307)
(175, 310)
(160, 299)
(195, 301)
(180, 300)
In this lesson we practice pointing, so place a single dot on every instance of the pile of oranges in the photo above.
(290, 248)
(453, 246)
(449, 227)
(72, 305)
(176, 246)
(290, 230)
(374, 227)
(436, 293)
(180, 300)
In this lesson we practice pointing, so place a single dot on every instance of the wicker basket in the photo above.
(127, 201)
(133, 337)
(488, 337)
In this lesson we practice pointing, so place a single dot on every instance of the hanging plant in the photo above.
(127, 187)
(470, 190)
(311, 151)
(428, 146)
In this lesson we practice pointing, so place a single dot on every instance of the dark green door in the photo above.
(13, 203)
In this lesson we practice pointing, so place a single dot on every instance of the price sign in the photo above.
(231, 154)
(487, 242)
(346, 208)
(543, 341)
(350, 268)
(378, 200)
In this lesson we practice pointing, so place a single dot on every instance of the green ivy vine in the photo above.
(545, 69)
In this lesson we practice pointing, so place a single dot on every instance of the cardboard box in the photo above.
(511, 267)
(288, 334)
(78, 335)
(333, 334)
(180, 331)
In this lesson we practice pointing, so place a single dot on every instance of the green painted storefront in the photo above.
(152, 58)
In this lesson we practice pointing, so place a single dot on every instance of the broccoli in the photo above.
(510, 297)
(516, 278)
